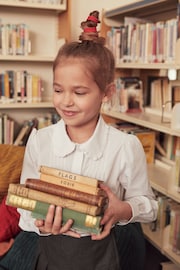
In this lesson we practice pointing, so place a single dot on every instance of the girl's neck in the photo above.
(80, 134)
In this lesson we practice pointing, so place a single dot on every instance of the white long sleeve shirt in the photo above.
(110, 155)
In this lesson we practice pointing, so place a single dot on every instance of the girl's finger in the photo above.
(49, 218)
(57, 221)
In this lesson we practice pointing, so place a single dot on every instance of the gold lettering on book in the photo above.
(22, 202)
(67, 175)
(65, 183)
(90, 221)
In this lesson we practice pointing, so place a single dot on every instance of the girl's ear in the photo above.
(110, 91)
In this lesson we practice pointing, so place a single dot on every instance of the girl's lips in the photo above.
(69, 113)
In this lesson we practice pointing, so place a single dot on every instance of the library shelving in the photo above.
(160, 174)
(48, 24)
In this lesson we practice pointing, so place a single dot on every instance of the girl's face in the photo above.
(77, 98)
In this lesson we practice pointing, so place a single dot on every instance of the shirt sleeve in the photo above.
(138, 193)
(29, 170)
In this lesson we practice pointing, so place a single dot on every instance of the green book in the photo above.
(82, 222)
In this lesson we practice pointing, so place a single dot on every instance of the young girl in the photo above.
(81, 142)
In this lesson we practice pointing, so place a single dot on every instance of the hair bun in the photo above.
(89, 28)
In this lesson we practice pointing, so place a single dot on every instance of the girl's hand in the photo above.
(53, 223)
(117, 210)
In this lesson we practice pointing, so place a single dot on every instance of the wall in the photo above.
(82, 8)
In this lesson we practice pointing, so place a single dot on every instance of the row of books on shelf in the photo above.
(20, 86)
(168, 155)
(168, 214)
(81, 197)
(14, 39)
(11, 133)
(162, 93)
(132, 96)
(128, 96)
(144, 41)
(168, 145)
(145, 135)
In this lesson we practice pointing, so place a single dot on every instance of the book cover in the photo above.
(147, 139)
(177, 165)
(82, 222)
(22, 133)
(175, 230)
(70, 176)
(71, 184)
(21, 190)
(131, 95)
(65, 192)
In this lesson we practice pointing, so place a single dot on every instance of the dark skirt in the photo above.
(131, 246)
(22, 255)
(69, 253)
(60, 252)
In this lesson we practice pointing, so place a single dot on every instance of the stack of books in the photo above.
(81, 197)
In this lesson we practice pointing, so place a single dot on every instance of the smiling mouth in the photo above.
(69, 113)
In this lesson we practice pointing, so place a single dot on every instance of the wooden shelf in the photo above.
(144, 119)
(38, 105)
(48, 28)
(155, 66)
(59, 8)
(167, 249)
(159, 178)
(172, 256)
(143, 9)
(44, 24)
(27, 58)
(155, 237)
(173, 193)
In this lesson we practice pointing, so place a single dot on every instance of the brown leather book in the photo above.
(71, 184)
(65, 192)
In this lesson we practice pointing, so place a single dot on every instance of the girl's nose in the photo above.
(68, 100)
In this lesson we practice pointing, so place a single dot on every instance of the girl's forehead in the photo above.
(75, 63)
(73, 68)
(73, 60)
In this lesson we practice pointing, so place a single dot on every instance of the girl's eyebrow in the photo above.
(56, 84)
(74, 87)
(81, 86)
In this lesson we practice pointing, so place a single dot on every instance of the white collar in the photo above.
(93, 148)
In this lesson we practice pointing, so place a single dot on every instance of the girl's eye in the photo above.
(80, 93)
(57, 90)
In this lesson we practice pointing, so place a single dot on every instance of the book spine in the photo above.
(83, 222)
(21, 190)
(65, 192)
(70, 184)
(177, 165)
(70, 176)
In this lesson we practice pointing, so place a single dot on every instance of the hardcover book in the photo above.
(82, 222)
(21, 190)
(65, 192)
(71, 184)
(70, 176)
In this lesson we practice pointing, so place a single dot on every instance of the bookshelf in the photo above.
(161, 176)
(48, 29)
